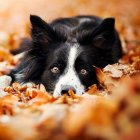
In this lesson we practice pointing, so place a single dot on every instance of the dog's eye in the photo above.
(55, 70)
(83, 72)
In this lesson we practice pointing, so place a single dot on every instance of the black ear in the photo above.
(104, 34)
(41, 32)
(106, 25)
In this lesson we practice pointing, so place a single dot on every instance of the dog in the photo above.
(64, 53)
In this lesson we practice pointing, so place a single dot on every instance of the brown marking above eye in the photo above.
(55, 70)
(83, 72)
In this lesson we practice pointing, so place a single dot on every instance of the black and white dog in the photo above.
(63, 53)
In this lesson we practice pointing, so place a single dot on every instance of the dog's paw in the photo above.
(4, 82)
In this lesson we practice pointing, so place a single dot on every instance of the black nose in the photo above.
(65, 90)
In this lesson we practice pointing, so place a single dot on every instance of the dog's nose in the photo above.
(65, 90)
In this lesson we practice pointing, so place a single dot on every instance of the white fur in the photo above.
(70, 78)
(82, 20)
(4, 82)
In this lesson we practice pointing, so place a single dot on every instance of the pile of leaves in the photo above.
(111, 112)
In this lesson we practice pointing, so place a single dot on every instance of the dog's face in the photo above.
(68, 67)
(63, 54)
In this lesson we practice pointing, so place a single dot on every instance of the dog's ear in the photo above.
(41, 32)
(104, 34)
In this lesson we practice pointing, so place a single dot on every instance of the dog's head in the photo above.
(64, 53)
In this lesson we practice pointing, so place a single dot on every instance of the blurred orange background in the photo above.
(14, 14)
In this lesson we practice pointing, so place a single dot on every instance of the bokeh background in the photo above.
(15, 25)
(14, 14)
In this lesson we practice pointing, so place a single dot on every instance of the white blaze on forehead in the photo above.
(70, 78)
(72, 56)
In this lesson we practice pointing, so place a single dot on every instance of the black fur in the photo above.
(99, 45)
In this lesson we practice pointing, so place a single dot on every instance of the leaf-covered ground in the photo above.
(109, 111)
